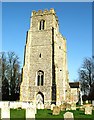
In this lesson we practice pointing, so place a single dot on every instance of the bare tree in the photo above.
(4, 81)
(10, 74)
(85, 75)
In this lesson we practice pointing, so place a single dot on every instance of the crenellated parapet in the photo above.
(45, 12)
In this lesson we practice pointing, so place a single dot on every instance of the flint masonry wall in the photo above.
(52, 48)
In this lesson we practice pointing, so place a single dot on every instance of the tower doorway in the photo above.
(40, 100)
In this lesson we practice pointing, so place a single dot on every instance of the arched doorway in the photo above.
(40, 100)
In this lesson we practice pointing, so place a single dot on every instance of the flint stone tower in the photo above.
(45, 74)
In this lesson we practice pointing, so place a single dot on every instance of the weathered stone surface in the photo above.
(56, 110)
(88, 110)
(68, 116)
(45, 49)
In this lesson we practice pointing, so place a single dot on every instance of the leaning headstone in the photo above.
(56, 110)
(73, 106)
(52, 105)
(68, 116)
(5, 111)
(30, 113)
(88, 110)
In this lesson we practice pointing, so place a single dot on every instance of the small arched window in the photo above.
(40, 78)
(42, 25)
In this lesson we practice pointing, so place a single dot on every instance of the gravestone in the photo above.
(82, 108)
(56, 110)
(24, 105)
(68, 116)
(68, 106)
(18, 104)
(5, 110)
(40, 106)
(73, 106)
(62, 107)
(12, 105)
(53, 105)
(86, 101)
(88, 110)
(33, 105)
(47, 105)
(92, 102)
(5, 113)
(30, 113)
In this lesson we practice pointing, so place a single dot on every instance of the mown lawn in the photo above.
(17, 114)
(78, 115)
(47, 114)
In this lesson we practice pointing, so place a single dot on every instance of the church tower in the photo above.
(45, 74)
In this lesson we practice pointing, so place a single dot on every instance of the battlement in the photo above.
(45, 12)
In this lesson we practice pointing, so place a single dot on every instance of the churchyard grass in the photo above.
(78, 115)
(17, 114)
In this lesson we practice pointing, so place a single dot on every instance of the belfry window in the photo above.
(40, 78)
(40, 55)
(42, 25)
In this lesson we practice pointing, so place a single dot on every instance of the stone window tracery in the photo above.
(40, 78)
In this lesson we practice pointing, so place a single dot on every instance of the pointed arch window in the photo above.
(42, 25)
(40, 78)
